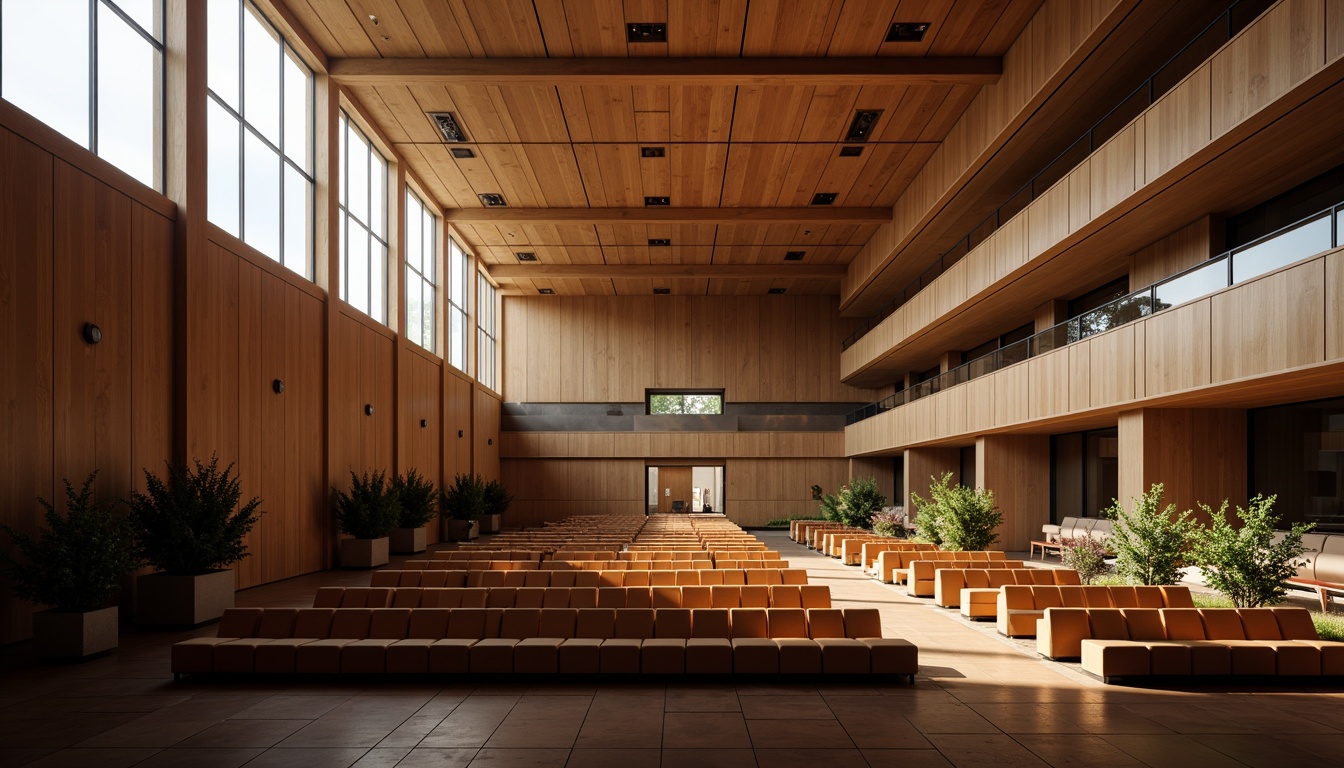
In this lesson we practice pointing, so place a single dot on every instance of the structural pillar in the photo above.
(1197, 454)
(923, 467)
(1017, 469)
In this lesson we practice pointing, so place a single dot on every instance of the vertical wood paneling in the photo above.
(1334, 306)
(1266, 60)
(1017, 469)
(1178, 125)
(485, 459)
(1197, 454)
(1178, 354)
(1285, 331)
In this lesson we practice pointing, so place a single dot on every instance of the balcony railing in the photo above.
(1315, 234)
(1167, 76)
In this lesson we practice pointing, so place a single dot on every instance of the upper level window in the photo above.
(363, 223)
(94, 72)
(260, 128)
(683, 401)
(486, 332)
(422, 257)
(459, 272)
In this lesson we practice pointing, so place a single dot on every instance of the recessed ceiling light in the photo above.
(655, 32)
(462, 153)
(824, 198)
(546, 291)
(652, 151)
(448, 126)
(862, 126)
(493, 200)
(851, 151)
(660, 241)
(657, 201)
(662, 291)
(526, 256)
(775, 291)
(795, 255)
(907, 31)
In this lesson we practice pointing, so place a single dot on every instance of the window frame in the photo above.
(649, 394)
(346, 123)
(416, 203)
(487, 307)
(459, 343)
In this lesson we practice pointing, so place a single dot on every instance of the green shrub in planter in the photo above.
(370, 510)
(957, 517)
(1245, 563)
(187, 524)
(858, 501)
(1150, 541)
(465, 499)
(417, 499)
(497, 498)
(77, 563)
(890, 522)
(1086, 555)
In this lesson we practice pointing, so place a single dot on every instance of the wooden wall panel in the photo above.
(1017, 469)
(1111, 371)
(1285, 331)
(1334, 306)
(485, 436)
(1177, 349)
(1177, 126)
(923, 466)
(1179, 251)
(362, 376)
(1266, 60)
(459, 403)
(420, 419)
(1049, 391)
(1197, 454)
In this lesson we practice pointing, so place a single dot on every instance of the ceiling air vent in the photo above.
(652, 151)
(657, 201)
(907, 31)
(851, 151)
(492, 200)
(661, 291)
(646, 33)
(795, 255)
(546, 291)
(526, 256)
(464, 153)
(660, 241)
(447, 125)
(862, 127)
(824, 198)
(775, 291)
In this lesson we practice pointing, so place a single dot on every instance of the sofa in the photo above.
(718, 596)
(921, 576)
(1323, 569)
(696, 577)
(1077, 527)
(1021, 607)
(892, 566)
(976, 590)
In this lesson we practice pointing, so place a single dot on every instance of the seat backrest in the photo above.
(998, 577)
(330, 597)
(815, 596)
(696, 597)
(555, 597)
(1182, 624)
(582, 597)
(407, 597)
(491, 579)
(587, 578)
(764, 576)
(608, 578)
(466, 623)
(638, 597)
(710, 623)
(520, 623)
(382, 578)
(636, 578)
(1177, 596)
(725, 596)
(529, 597)
(1151, 597)
(312, 622)
(862, 622)
(1222, 624)
(710, 577)
(1070, 596)
(1107, 624)
(672, 622)
(1124, 597)
(971, 578)
(1259, 624)
(389, 623)
(1095, 596)
(501, 597)
(1295, 624)
(598, 623)
(557, 622)
(1047, 597)
(428, 623)
(734, 576)
(634, 623)
(748, 622)
(276, 623)
(663, 578)
(358, 597)
(793, 576)
(825, 622)
(786, 596)
(786, 622)
(754, 596)
(426, 579)
(686, 578)
(470, 597)
(515, 578)
(562, 578)
(1144, 624)
(537, 579)
(351, 623)
(667, 597)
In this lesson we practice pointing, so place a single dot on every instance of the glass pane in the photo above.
(298, 113)
(261, 196)
(48, 79)
(261, 77)
(456, 341)
(427, 302)
(1192, 285)
(457, 290)
(127, 108)
(377, 282)
(1116, 313)
(357, 176)
(414, 237)
(377, 200)
(222, 173)
(1280, 251)
(414, 318)
(222, 42)
(357, 268)
(298, 230)
(145, 13)
(343, 132)
(429, 249)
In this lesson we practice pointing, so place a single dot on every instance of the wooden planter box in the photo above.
(461, 530)
(364, 553)
(169, 600)
(408, 541)
(74, 635)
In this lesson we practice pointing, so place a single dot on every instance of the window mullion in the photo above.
(93, 76)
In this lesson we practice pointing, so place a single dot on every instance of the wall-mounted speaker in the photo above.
(368, 410)
(92, 333)
(278, 386)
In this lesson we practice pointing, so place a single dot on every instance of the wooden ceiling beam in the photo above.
(792, 71)
(668, 215)
(672, 271)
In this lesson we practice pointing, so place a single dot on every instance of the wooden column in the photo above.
(1051, 313)
(923, 466)
(1197, 454)
(879, 467)
(1017, 469)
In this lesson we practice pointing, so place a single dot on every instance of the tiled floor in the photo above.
(979, 700)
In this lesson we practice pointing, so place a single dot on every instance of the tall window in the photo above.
(93, 70)
(260, 136)
(486, 331)
(459, 272)
(683, 401)
(363, 223)
(422, 258)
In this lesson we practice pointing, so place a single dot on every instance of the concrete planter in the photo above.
(73, 634)
(408, 541)
(364, 553)
(461, 530)
(164, 599)
(490, 524)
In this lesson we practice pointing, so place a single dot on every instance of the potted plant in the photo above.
(463, 505)
(190, 527)
(74, 566)
(497, 502)
(368, 513)
(416, 505)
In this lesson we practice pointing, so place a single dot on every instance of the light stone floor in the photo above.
(979, 700)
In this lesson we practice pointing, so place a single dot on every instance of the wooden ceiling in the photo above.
(750, 102)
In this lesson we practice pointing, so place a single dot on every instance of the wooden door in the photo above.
(674, 484)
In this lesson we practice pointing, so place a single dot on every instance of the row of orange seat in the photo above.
(780, 596)
(699, 577)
